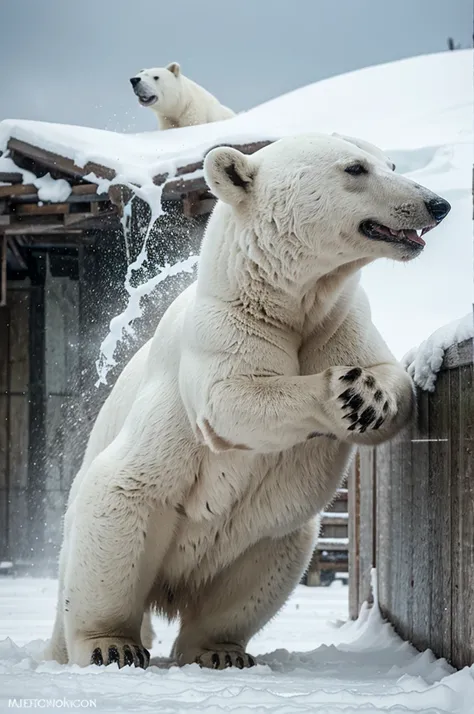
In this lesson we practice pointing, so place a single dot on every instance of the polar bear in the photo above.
(176, 99)
(230, 430)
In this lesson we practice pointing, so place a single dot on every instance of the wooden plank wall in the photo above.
(64, 440)
(14, 423)
(420, 488)
(50, 333)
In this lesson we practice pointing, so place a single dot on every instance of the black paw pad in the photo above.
(368, 416)
(379, 422)
(351, 399)
(128, 658)
(370, 381)
(216, 661)
(113, 655)
(351, 375)
(252, 662)
(96, 657)
(228, 660)
(353, 416)
(239, 662)
(378, 396)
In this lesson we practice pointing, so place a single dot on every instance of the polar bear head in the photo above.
(315, 197)
(159, 87)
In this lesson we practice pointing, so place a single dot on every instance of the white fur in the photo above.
(200, 488)
(177, 100)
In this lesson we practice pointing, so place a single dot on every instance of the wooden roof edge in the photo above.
(184, 182)
(26, 191)
(178, 185)
(56, 162)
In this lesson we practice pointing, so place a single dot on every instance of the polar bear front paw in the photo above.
(123, 652)
(359, 400)
(222, 659)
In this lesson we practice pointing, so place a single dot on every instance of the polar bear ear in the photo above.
(229, 174)
(174, 68)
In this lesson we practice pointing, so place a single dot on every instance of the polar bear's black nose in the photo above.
(438, 208)
(135, 81)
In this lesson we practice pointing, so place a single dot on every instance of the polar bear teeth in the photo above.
(377, 231)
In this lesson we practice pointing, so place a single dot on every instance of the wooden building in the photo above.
(63, 266)
(412, 517)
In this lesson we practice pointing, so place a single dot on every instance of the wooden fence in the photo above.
(412, 516)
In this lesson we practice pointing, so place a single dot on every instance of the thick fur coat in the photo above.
(229, 432)
(176, 100)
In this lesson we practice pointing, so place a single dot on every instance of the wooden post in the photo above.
(37, 410)
(366, 532)
(425, 517)
(18, 410)
(4, 430)
(3, 270)
(353, 487)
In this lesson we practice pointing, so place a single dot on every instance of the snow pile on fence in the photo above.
(424, 362)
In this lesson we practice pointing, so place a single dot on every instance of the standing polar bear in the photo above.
(230, 430)
(176, 99)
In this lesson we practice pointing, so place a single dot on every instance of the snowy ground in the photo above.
(357, 668)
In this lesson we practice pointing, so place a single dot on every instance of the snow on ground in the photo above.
(419, 110)
(314, 664)
(424, 362)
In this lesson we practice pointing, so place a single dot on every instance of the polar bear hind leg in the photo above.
(240, 600)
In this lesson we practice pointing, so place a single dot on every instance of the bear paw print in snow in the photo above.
(363, 403)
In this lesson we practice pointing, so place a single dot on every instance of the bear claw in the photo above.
(224, 660)
(123, 655)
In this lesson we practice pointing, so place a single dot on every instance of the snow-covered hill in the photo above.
(419, 110)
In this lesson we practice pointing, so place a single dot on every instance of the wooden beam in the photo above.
(10, 177)
(328, 520)
(47, 209)
(30, 229)
(181, 173)
(120, 195)
(191, 204)
(194, 205)
(87, 219)
(13, 248)
(3, 271)
(18, 190)
(55, 162)
(28, 192)
(332, 544)
(69, 238)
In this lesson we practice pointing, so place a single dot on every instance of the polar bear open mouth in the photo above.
(148, 101)
(377, 231)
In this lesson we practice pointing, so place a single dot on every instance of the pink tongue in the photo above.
(413, 236)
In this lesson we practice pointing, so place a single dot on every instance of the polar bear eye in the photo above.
(356, 169)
